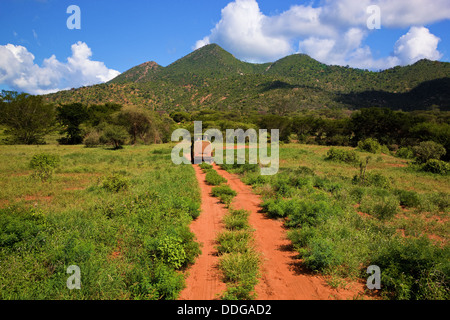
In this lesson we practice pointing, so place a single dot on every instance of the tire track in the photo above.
(204, 277)
(283, 277)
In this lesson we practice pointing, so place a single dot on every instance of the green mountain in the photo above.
(209, 62)
(212, 78)
(141, 73)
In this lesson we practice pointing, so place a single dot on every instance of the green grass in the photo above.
(397, 218)
(224, 193)
(241, 272)
(130, 235)
(239, 260)
(236, 220)
(214, 179)
(121, 216)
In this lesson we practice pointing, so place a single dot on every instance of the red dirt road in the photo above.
(282, 275)
(204, 278)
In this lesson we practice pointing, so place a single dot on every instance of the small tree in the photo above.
(138, 123)
(71, 117)
(27, 118)
(369, 145)
(114, 135)
(428, 150)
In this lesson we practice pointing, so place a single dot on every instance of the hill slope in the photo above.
(211, 77)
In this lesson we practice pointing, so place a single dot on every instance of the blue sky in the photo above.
(116, 35)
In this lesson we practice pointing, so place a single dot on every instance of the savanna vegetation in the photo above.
(343, 216)
(122, 217)
(87, 178)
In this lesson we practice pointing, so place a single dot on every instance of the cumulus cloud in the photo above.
(241, 31)
(333, 32)
(19, 71)
(417, 44)
(398, 13)
(405, 13)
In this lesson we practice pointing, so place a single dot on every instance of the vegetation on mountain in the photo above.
(212, 78)
(308, 101)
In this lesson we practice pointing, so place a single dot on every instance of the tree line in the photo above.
(394, 130)
(29, 119)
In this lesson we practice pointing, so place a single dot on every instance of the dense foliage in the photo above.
(212, 78)
(27, 118)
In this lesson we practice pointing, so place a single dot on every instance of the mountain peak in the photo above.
(141, 73)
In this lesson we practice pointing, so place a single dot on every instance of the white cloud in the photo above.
(417, 44)
(348, 49)
(241, 31)
(18, 70)
(405, 13)
(333, 32)
(398, 13)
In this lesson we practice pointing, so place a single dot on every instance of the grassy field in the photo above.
(396, 218)
(122, 216)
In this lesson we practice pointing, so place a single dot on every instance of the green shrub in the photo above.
(370, 145)
(282, 188)
(224, 193)
(214, 179)
(301, 236)
(441, 200)
(255, 179)
(234, 241)
(115, 183)
(437, 167)
(405, 153)
(240, 168)
(378, 180)
(236, 220)
(357, 193)
(205, 166)
(342, 156)
(428, 150)
(169, 249)
(22, 229)
(154, 281)
(381, 207)
(303, 182)
(191, 206)
(413, 269)
(300, 212)
(274, 208)
(326, 184)
(92, 139)
(407, 198)
(320, 254)
(300, 171)
(240, 291)
(241, 268)
(303, 212)
(372, 179)
(44, 165)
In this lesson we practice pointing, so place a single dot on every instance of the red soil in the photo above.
(283, 277)
(204, 279)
